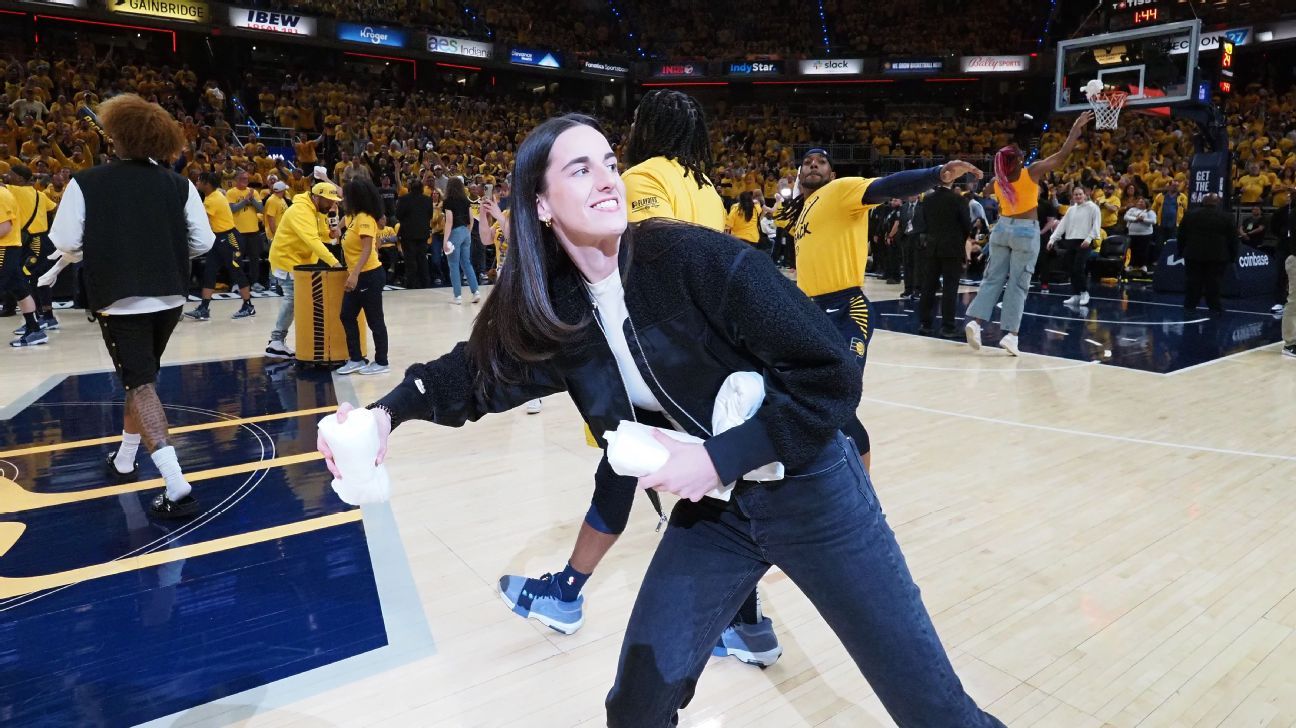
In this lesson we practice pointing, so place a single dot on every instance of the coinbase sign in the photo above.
(371, 35)
(459, 47)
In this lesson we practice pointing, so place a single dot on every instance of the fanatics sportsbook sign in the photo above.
(193, 11)
(270, 22)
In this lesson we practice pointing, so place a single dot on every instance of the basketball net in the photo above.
(1107, 105)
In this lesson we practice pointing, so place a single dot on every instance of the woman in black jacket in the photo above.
(646, 322)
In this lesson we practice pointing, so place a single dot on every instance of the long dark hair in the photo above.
(672, 124)
(518, 323)
(360, 195)
(456, 190)
(746, 203)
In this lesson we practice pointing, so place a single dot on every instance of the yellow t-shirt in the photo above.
(831, 235)
(361, 225)
(27, 197)
(275, 206)
(9, 213)
(742, 228)
(1252, 188)
(245, 220)
(218, 212)
(658, 187)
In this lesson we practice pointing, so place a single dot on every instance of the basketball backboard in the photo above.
(1155, 65)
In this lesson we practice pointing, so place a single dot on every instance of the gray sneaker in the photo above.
(374, 368)
(35, 338)
(352, 367)
(754, 644)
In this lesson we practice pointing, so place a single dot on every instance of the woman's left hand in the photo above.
(352, 281)
(951, 171)
(689, 473)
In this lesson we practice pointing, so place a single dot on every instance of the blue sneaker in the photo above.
(541, 600)
(754, 644)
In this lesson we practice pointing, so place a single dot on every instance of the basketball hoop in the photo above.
(1107, 105)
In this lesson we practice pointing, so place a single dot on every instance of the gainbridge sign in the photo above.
(193, 11)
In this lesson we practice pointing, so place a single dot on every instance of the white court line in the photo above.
(1059, 333)
(1095, 343)
(1083, 433)
(1005, 370)
(1149, 303)
(1102, 321)
(1234, 355)
(896, 314)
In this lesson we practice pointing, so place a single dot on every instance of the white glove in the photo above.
(354, 444)
(61, 261)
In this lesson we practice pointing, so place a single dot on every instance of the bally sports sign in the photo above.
(994, 64)
(270, 22)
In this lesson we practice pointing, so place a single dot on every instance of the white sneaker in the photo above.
(973, 333)
(458, 300)
(534, 406)
(1009, 344)
(351, 367)
(477, 298)
(277, 349)
(374, 368)
(1071, 301)
(1084, 298)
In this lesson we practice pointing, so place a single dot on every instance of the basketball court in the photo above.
(1097, 545)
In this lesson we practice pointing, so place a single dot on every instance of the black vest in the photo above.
(136, 240)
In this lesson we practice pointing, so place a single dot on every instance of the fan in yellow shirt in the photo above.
(12, 281)
(366, 278)
(34, 208)
(275, 206)
(225, 254)
(744, 218)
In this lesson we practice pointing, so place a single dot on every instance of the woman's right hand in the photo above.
(381, 419)
(448, 248)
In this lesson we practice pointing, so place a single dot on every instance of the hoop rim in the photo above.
(1114, 98)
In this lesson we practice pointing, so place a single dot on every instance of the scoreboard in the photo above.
(1126, 14)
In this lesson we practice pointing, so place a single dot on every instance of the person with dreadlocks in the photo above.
(1015, 240)
(669, 151)
(829, 223)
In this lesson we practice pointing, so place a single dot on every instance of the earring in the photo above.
(547, 222)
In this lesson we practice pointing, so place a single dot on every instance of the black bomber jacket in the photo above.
(701, 306)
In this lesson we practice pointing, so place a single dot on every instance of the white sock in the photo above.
(167, 464)
(125, 460)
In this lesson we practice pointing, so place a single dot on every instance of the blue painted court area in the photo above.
(110, 617)
(1132, 328)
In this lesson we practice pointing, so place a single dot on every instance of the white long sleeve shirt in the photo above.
(1081, 222)
(1139, 222)
(68, 232)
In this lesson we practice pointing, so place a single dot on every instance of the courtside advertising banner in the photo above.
(371, 35)
(460, 47)
(831, 67)
(994, 64)
(528, 57)
(193, 11)
(271, 22)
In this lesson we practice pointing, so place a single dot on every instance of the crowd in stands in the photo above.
(362, 125)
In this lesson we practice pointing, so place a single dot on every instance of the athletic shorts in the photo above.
(37, 263)
(12, 279)
(849, 312)
(136, 343)
(224, 255)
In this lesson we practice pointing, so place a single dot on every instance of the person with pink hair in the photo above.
(1015, 239)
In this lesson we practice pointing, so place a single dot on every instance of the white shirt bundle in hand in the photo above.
(354, 444)
(634, 452)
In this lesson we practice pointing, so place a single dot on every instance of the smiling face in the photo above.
(1078, 196)
(583, 193)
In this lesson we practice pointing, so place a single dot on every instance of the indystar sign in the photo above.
(264, 20)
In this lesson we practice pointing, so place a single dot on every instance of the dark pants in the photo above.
(251, 248)
(849, 311)
(914, 262)
(136, 343)
(823, 526)
(891, 260)
(37, 265)
(416, 262)
(1280, 281)
(1204, 277)
(1077, 264)
(784, 249)
(1140, 251)
(366, 297)
(439, 265)
(946, 272)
